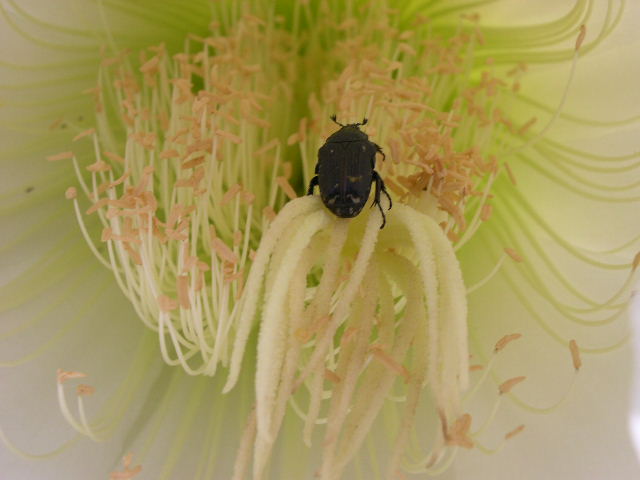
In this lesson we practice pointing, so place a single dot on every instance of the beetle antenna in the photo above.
(334, 118)
(364, 122)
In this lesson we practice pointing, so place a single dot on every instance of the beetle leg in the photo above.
(380, 188)
(312, 183)
(379, 150)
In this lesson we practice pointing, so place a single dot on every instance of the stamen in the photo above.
(507, 385)
(510, 173)
(286, 187)
(541, 134)
(60, 156)
(575, 355)
(85, 133)
(81, 426)
(70, 193)
(489, 419)
(540, 284)
(63, 375)
(509, 435)
(487, 277)
(635, 262)
(389, 362)
(487, 370)
(581, 37)
(13, 448)
(506, 340)
(128, 472)
(513, 254)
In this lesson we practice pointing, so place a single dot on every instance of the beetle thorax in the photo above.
(348, 133)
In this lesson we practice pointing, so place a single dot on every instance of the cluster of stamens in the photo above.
(189, 185)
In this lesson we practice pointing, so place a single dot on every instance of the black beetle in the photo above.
(345, 169)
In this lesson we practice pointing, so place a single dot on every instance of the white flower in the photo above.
(503, 180)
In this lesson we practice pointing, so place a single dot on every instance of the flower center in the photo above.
(195, 187)
(186, 184)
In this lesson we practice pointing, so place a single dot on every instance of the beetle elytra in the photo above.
(345, 171)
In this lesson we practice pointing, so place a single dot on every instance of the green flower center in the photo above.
(200, 158)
